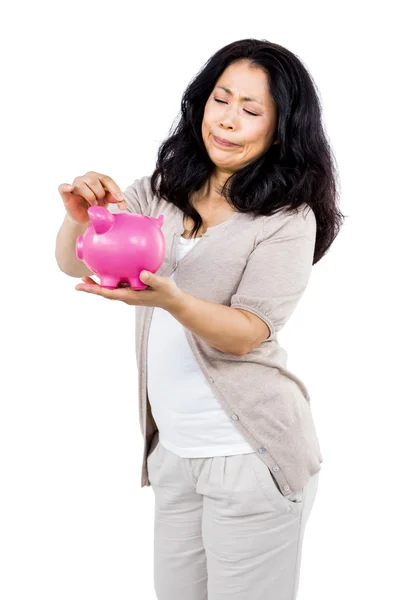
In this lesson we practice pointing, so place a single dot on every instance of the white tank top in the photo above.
(190, 419)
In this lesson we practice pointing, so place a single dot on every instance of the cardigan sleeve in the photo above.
(137, 196)
(278, 269)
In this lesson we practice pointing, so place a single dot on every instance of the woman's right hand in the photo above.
(90, 190)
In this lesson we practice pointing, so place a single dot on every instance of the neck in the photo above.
(209, 196)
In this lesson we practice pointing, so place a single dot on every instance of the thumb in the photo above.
(146, 276)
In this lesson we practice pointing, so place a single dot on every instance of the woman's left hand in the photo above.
(162, 291)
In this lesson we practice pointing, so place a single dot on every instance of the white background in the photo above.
(96, 86)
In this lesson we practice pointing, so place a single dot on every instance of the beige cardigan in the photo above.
(261, 264)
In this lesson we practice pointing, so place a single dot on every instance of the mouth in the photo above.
(222, 142)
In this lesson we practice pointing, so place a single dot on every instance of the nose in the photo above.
(228, 120)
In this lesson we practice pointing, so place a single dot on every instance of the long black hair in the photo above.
(300, 168)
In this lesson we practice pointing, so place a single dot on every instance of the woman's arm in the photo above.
(227, 329)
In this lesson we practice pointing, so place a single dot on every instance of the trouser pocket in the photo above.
(270, 488)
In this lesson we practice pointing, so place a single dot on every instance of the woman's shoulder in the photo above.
(298, 222)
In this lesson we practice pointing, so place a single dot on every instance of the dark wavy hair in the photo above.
(300, 168)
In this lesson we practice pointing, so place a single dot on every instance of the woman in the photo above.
(247, 187)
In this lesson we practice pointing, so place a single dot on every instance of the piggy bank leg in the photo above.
(136, 283)
(109, 282)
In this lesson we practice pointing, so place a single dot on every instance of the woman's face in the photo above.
(250, 124)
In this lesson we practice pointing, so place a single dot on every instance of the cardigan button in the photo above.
(286, 488)
(211, 379)
(275, 468)
(235, 417)
(261, 450)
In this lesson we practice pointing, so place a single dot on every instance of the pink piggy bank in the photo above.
(117, 247)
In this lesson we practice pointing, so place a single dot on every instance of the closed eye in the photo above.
(247, 111)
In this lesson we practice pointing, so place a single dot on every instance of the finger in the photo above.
(110, 186)
(86, 287)
(111, 294)
(94, 184)
(82, 189)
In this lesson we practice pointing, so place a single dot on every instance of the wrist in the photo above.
(177, 301)
(78, 223)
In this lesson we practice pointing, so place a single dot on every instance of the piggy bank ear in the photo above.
(159, 220)
(102, 219)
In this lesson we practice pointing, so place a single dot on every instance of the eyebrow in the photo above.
(246, 98)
